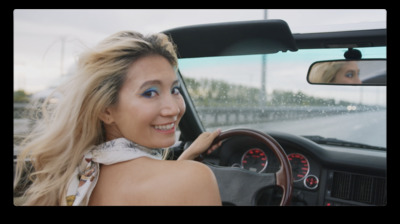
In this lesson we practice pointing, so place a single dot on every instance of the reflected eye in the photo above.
(349, 74)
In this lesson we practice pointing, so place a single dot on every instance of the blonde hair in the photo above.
(72, 126)
(325, 72)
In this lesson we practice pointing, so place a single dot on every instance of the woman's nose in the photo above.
(170, 107)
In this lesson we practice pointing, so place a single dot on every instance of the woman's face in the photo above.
(348, 74)
(150, 105)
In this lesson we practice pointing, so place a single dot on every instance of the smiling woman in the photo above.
(111, 124)
(149, 101)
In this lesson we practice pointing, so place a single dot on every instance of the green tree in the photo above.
(20, 96)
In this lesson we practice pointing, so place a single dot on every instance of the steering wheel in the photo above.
(239, 187)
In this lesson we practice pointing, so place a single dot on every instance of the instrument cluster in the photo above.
(260, 159)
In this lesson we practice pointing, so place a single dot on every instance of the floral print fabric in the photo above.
(85, 177)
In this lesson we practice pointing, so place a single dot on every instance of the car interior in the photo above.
(302, 170)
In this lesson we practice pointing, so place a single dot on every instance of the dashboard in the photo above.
(322, 175)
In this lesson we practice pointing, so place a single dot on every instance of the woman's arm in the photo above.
(200, 145)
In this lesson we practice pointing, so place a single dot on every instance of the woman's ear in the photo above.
(106, 116)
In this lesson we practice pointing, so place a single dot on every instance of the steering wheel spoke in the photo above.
(239, 186)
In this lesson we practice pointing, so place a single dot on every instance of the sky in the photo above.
(47, 42)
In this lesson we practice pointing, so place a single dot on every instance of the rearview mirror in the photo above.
(348, 72)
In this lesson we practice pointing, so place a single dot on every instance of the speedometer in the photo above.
(255, 160)
(300, 166)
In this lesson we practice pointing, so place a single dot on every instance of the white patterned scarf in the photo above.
(85, 177)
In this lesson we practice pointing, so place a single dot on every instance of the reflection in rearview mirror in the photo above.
(348, 72)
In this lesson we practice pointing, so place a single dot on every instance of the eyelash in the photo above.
(152, 92)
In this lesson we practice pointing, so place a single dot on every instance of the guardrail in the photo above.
(219, 116)
(226, 115)
(213, 116)
(19, 110)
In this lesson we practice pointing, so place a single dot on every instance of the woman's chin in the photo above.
(164, 142)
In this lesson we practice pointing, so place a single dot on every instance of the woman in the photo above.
(102, 143)
(336, 72)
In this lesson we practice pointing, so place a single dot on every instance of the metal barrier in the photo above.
(226, 115)
(214, 116)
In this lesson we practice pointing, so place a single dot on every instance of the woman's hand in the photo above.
(200, 145)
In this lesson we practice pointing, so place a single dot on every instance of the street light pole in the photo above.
(263, 92)
(62, 55)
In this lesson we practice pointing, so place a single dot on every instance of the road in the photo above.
(365, 127)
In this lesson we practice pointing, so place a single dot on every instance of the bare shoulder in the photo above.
(195, 177)
(146, 181)
(191, 170)
(187, 183)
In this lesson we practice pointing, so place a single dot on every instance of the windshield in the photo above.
(271, 93)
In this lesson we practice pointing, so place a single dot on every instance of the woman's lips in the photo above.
(165, 128)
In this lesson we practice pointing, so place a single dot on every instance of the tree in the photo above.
(20, 96)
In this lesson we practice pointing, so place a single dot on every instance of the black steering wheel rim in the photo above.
(227, 175)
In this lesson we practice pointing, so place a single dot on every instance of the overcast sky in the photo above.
(40, 35)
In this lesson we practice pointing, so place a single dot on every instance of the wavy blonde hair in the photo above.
(72, 126)
(325, 72)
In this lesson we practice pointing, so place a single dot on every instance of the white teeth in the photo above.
(164, 127)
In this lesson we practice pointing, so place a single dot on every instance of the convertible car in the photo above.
(303, 115)
(293, 131)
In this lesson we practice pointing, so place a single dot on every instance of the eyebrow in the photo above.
(156, 82)
(357, 71)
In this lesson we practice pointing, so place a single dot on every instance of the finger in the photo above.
(215, 133)
(214, 147)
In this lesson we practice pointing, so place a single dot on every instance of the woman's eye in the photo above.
(150, 93)
(175, 91)
(349, 74)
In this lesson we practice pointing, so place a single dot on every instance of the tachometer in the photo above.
(300, 166)
(255, 160)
